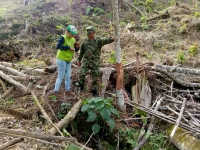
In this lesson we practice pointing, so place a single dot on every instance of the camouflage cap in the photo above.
(90, 29)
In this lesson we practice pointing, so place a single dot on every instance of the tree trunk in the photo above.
(119, 86)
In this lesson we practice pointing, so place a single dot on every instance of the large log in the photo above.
(12, 71)
(37, 135)
(180, 69)
(69, 117)
(18, 85)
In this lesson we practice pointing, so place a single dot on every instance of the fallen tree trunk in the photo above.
(10, 143)
(183, 140)
(25, 134)
(69, 117)
(12, 71)
(18, 85)
(181, 82)
(180, 69)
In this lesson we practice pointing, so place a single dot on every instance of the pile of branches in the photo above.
(176, 104)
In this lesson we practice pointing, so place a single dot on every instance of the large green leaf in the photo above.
(98, 105)
(91, 116)
(72, 147)
(85, 102)
(105, 113)
(114, 111)
(96, 128)
(98, 99)
(84, 107)
(111, 124)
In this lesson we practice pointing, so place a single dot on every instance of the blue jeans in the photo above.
(64, 69)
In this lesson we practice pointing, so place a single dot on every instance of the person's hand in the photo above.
(72, 49)
(79, 64)
(77, 44)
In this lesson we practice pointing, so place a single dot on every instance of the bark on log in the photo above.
(164, 15)
(12, 71)
(3, 85)
(18, 85)
(51, 69)
(161, 116)
(180, 69)
(183, 83)
(37, 135)
(37, 103)
(17, 140)
(7, 92)
(105, 79)
(69, 117)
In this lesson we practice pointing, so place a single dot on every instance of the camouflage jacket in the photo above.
(90, 50)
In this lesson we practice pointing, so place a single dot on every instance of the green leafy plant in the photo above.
(122, 24)
(112, 58)
(193, 50)
(142, 114)
(97, 11)
(197, 14)
(180, 57)
(130, 134)
(99, 109)
(143, 19)
(156, 141)
(183, 28)
(64, 108)
(53, 97)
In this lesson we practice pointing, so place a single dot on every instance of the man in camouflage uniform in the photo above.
(90, 52)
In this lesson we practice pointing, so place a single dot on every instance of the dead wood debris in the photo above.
(179, 104)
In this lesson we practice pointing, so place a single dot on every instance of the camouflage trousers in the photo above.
(94, 72)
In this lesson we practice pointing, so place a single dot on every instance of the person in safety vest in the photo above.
(66, 47)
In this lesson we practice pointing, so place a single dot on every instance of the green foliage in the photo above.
(130, 134)
(15, 26)
(183, 28)
(63, 110)
(149, 5)
(4, 35)
(109, 15)
(145, 27)
(149, 2)
(88, 10)
(197, 14)
(112, 58)
(122, 24)
(142, 114)
(32, 63)
(99, 109)
(72, 147)
(156, 141)
(59, 27)
(53, 97)
(143, 19)
(97, 11)
(193, 50)
(180, 57)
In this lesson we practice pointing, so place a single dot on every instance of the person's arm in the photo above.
(104, 40)
(60, 46)
(82, 51)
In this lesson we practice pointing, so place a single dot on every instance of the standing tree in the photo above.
(120, 73)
